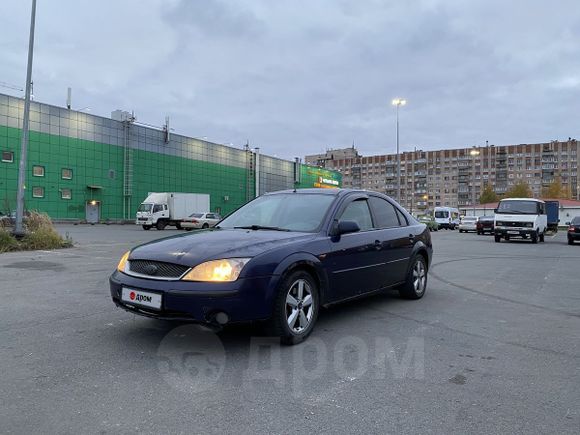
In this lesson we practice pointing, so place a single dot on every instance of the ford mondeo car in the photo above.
(278, 259)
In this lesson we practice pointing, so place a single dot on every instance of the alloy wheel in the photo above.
(419, 277)
(299, 306)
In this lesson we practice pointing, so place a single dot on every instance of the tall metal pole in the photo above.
(18, 230)
(257, 172)
(398, 161)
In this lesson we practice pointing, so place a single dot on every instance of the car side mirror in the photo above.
(495, 210)
(345, 227)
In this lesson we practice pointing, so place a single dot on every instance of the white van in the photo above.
(520, 217)
(446, 217)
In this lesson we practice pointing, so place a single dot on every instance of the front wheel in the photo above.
(146, 227)
(416, 282)
(570, 241)
(497, 239)
(295, 308)
(542, 237)
(534, 237)
(160, 225)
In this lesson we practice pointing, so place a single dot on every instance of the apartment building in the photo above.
(456, 177)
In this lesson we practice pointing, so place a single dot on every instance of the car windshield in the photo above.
(469, 218)
(145, 207)
(441, 214)
(290, 212)
(196, 215)
(518, 207)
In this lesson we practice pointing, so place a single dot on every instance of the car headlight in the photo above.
(123, 262)
(224, 270)
(529, 224)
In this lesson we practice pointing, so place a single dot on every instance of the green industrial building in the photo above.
(79, 162)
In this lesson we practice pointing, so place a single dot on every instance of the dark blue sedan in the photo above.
(278, 259)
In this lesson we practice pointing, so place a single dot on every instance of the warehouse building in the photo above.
(83, 166)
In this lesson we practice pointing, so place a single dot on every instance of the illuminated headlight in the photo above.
(499, 224)
(225, 270)
(123, 262)
(529, 224)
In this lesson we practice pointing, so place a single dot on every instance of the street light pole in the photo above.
(474, 152)
(18, 230)
(398, 102)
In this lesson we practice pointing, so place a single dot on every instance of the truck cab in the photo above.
(161, 209)
(520, 217)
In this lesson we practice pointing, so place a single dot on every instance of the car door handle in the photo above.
(378, 245)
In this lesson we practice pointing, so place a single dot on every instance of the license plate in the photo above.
(513, 232)
(138, 297)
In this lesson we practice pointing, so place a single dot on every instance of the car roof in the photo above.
(521, 199)
(324, 191)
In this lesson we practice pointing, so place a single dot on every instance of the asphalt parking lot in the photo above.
(493, 347)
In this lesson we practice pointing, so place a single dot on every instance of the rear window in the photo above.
(441, 214)
(196, 215)
(469, 218)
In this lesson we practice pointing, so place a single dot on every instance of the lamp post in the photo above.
(397, 102)
(473, 153)
(18, 231)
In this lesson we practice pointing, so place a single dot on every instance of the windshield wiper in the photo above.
(261, 227)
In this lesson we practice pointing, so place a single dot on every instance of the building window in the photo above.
(66, 174)
(8, 156)
(38, 192)
(112, 174)
(65, 194)
(38, 171)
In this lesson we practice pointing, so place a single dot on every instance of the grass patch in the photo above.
(40, 234)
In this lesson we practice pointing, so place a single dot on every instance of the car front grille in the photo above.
(513, 224)
(157, 269)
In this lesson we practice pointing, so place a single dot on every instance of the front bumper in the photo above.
(246, 299)
(514, 232)
(574, 235)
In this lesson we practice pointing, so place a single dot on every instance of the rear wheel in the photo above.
(204, 226)
(497, 239)
(160, 225)
(416, 282)
(295, 308)
(178, 225)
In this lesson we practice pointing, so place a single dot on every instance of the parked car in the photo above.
(432, 225)
(520, 217)
(446, 217)
(574, 230)
(468, 223)
(485, 224)
(200, 220)
(278, 259)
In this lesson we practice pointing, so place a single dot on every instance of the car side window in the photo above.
(157, 208)
(384, 212)
(209, 216)
(359, 212)
(402, 219)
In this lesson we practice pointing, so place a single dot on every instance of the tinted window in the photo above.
(210, 216)
(384, 212)
(576, 220)
(196, 215)
(358, 211)
(157, 208)
(441, 214)
(402, 219)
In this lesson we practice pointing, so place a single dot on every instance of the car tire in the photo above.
(416, 282)
(534, 237)
(160, 225)
(205, 226)
(146, 227)
(291, 322)
(542, 237)
(178, 226)
(497, 239)
(570, 241)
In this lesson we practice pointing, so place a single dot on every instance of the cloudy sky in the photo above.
(298, 76)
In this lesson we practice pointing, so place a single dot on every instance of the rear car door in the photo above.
(353, 262)
(396, 239)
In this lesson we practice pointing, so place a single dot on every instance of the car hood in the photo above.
(196, 247)
(515, 217)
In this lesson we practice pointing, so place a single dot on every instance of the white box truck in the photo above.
(170, 208)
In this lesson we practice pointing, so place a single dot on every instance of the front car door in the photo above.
(353, 261)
